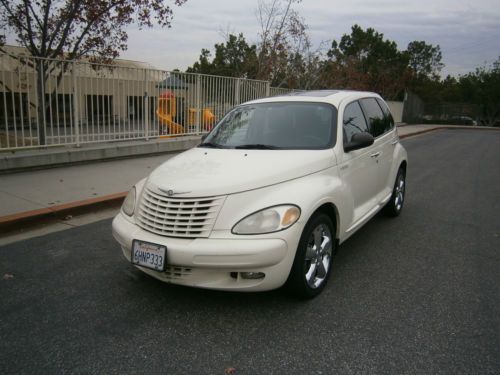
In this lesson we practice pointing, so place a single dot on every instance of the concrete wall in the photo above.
(396, 110)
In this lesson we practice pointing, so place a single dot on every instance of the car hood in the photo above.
(202, 172)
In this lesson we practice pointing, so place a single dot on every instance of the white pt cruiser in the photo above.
(268, 195)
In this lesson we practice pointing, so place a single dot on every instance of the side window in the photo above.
(389, 121)
(353, 121)
(374, 115)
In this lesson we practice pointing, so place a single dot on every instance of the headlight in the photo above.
(128, 205)
(268, 220)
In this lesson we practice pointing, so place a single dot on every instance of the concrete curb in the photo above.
(419, 132)
(12, 222)
(23, 160)
(423, 131)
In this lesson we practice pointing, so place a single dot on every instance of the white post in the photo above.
(237, 92)
(146, 107)
(75, 106)
(198, 104)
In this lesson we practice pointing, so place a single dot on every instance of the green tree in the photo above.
(447, 90)
(424, 59)
(482, 88)
(70, 29)
(203, 65)
(234, 58)
(365, 60)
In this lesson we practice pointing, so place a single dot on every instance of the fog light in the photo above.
(252, 275)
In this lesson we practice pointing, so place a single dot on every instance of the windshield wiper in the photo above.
(257, 146)
(209, 145)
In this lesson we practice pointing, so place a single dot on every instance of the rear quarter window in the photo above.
(379, 121)
(375, 116)
(389, 120)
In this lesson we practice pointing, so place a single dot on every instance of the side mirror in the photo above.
(204, 136)
(359, 140)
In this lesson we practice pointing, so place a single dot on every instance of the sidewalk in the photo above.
(39, 192)
(34, 194)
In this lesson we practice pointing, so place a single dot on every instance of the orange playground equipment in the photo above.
(167, 112)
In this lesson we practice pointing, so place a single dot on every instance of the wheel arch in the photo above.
(403, 165)
(332, 212)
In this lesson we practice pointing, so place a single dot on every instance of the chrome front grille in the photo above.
(177, 217)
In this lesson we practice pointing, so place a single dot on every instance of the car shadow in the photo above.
(348, 253)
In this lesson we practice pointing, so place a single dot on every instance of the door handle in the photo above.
(395, 142)
(375, 154)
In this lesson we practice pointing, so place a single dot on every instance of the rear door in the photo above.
(389, 141)
(382, 148)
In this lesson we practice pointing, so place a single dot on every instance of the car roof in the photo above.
(335, 97)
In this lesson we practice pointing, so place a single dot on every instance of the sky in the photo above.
(467, 31)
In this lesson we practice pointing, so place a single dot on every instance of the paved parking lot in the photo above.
(414, 295)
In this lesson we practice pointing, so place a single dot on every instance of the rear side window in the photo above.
(375, 116)
(389, 121)
(353, 121)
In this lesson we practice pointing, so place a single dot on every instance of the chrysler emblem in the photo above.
(171, 192)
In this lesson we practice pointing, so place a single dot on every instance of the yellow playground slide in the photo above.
(167, 110)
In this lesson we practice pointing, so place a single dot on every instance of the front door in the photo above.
(359, 168)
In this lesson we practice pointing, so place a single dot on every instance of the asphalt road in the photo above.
(414, 295)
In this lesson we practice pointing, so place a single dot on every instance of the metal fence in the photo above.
(46, 102)
(451, 113)
(413, 108)
(276, 91)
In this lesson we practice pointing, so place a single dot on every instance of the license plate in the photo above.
(149, 255)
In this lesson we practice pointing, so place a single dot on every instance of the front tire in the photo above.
(395, 205)
(313, 261)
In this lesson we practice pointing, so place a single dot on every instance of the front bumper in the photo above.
(213, 262)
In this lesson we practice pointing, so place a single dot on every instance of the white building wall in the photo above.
(396, 110)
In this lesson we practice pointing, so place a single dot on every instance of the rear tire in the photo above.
(395, 205)
(313, 261)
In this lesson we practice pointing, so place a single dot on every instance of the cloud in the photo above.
(467, 31)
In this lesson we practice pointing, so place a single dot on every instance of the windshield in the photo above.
(291, 125)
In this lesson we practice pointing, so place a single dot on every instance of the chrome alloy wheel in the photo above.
(399, 192)
(318, 255)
